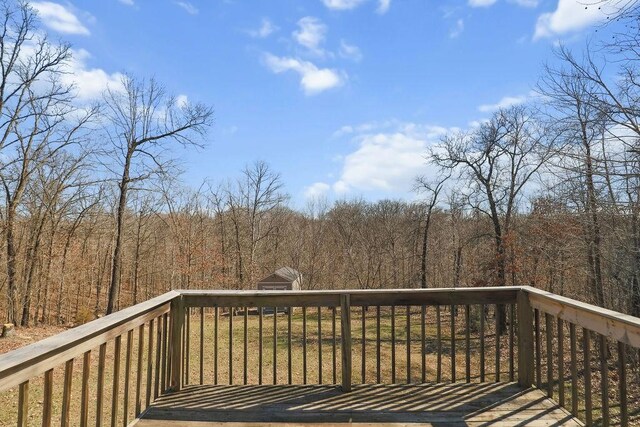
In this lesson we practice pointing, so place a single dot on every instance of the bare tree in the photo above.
(36, 116)
(142, 122)
(497, 161)
(432, 191)
(580, 122)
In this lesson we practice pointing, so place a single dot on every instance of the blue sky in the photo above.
(342, 97)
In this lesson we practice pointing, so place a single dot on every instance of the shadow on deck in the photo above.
(456, 404)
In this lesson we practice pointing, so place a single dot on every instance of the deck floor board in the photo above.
(459, 404)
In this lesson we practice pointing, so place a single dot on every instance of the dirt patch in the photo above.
(26, 336)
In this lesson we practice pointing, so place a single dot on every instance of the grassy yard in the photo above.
(313, 341)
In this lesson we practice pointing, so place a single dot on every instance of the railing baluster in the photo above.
(319, 345)
(231, 345)
(622, 384)
(260, 344)
(47, 403)
(139, 370)
(289, 345)
(216, 348)
(586, 351)
(245, 345)
(165, 337)
(525, 341)
(408, 334)
(127, 378)
(538, 349)
(511, 342)
(168, 352)
(84, 394)
(334, 355)
(66, 393)
(438, 346)
(378, 344)
(364, 348)
(345, 337)
(498, 319)
(275, 345)
(452, 310)
(549, 333)
(115, 395)
(150, 364)
(23, 404)
(423, 339)
(561, 399)
(482, 349)
(201, 345)
(100, 386)
(156, 369)
(467, 339)
(604, 381)
(187, 347)
(177, 337)
(393, 344)
(574, 369)
(304, 345)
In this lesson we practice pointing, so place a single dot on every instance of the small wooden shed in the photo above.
(285, 278)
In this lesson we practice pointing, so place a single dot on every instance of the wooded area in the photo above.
(94, 219)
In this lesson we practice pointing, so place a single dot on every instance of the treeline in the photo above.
(93, 218)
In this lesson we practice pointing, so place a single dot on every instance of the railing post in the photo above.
(345, 326)
(525, 340)
(177, 319)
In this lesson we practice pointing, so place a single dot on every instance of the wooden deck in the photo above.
(458, 404)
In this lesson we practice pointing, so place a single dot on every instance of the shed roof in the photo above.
(288, 273)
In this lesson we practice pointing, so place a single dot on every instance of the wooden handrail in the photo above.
(358, 297)
(618, 326)
(27, 362)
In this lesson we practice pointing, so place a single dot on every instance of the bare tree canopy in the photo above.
(141, 120)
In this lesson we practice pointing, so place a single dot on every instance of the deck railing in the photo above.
(328, 337)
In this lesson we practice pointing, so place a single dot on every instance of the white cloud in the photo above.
(316, 190)
(313, 80)
(341, 187)
(569, 16)
(59, 18)
(367, 127)
(350, 51)
(89, 83)
(188, 7)
(505, 102)
(311, 34)
(387, 161)
(266, 29)
(383, 6)
(127, 2)
(481, 3)
(526, 3)
(182, 100)
(457, 29)
(342, 4)
(381, 9)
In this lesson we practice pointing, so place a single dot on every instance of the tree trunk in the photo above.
(423, 260)
(116, 261)
(12, 285)
(593, 228)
